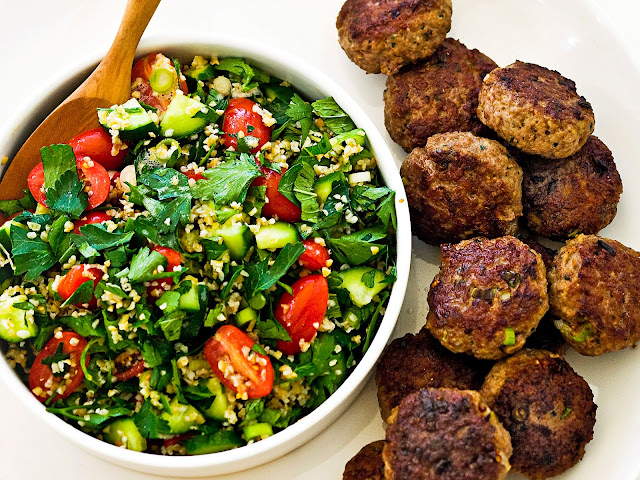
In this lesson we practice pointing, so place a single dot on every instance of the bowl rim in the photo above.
(293, 436)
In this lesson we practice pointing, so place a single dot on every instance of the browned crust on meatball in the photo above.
(461, 186)
(546, 253)
(484, 288)
(437, 95)
(383, 35)
(536, 110)
(577, 194)
(367, 464)
(439, 434)
(547, 408)
(419, 361)
(595, 291)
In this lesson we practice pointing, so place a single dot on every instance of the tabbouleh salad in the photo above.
(203, 270)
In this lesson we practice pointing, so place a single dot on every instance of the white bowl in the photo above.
(313, 84)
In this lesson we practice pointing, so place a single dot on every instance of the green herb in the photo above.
(356, 248)
(63, 188)
(235, 273)
(11, 207)
(301, 111)
(303, 191)
(171, 325)
(60, 240)
(334, 117)
(373, 325)
(213, 249)
(144, 264)
(99, 238)
(31, 256)
(285, 186)
(566, 413)
(57, 357)
(270, 328)
(149, 423)
(387, 211)
(260, 278)
(83, 325)
(227, 182)
(155, 351)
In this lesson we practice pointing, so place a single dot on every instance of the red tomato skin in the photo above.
(88, 219)
(40, 373)
(315, 256)
(156, 289)
(142, 70)
(135, 370)
(278, 205)
(92, 172)
(301, 313)
(229, 340)
(96, 144)
(76, 277)
(194, 175)
(237, 117)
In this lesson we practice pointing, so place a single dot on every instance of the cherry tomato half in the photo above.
(96, 144)
(76, 277)
(43, 382)
(240, 117)
(129, 364)
(277, 204)
(241, 369)
(88, 219)
(157, 287)
(301, 313)
(161, 71)
(315, 256)
(90, 172)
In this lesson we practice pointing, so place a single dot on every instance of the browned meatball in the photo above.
(383, 35)
(488, 296)
(536, 110)
(547, 408)
(419, 361)
(461, 186)
(546, 253)
(577, 194)
(437, 95)
(595, 291)
(441, 434)
(367, 463)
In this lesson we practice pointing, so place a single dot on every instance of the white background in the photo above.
(593, 42)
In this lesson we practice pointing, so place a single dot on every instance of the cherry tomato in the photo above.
(43, 382)
(238, 117)
(315, 256)
(90, 218)
(196, 176)
(157, 287)
(143, 71)
(277, 205)
(97, 145)
(76, 277)
(241, 369)
(89, 171)
(129, 364)
(301, 313)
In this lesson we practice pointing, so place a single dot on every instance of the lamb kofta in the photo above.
(367, 464)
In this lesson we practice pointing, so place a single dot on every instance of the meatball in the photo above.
(577, 194)
(546, 253)
(536, 110)
(383, 35)
(595, 291)
(437, 95)
(547, 408)
(419, 361)
(367, 463)
(461, 186)
(439, 434)
(488, 296)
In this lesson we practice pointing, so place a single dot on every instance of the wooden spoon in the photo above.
(109, 84)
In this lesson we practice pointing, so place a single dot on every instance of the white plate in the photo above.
(565, 35)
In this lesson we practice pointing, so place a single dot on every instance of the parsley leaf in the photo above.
(56, 160)
(260, 279)
(334, 117)
(150, 424)
(11, 207)
(83, 325)
(356, 248)
(285, 187)
(100, 238)
(227, 182)
(63, 188)
(387, 211)
(303, 190)
(31, 256)
(81, 295)
(148, 229)
(171, 324)
(60, 240)
(301, 111)
(270, 328)
(57, 356)
(143, 264)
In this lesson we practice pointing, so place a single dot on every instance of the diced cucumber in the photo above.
(246, 316)
(236, 235)
(14, 324)
(204, 73)
(358, 135)
(5, 238)
(220, 403)
(124, 433)
(359, 292)
(216, 442)
(130, 119)
(277, 235)
(189, 301)
(257, 302)
(182, 417)
(324, 185)
(179, 120)
(257, 430)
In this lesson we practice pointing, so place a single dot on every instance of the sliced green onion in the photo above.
(162, 80)
(246, 316)
(258, 430)
(509, 337)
